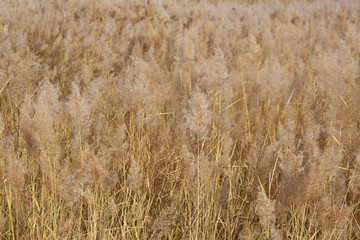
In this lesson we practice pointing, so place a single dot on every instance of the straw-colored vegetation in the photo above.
(178, 120)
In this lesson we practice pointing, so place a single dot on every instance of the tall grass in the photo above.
(179, 120)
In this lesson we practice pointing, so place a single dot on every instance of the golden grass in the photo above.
(179, 120)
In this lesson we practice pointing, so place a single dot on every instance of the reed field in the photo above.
(129, 119)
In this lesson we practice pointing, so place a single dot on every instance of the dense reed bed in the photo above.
(179, 120)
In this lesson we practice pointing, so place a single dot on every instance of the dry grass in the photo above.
(172, 120)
